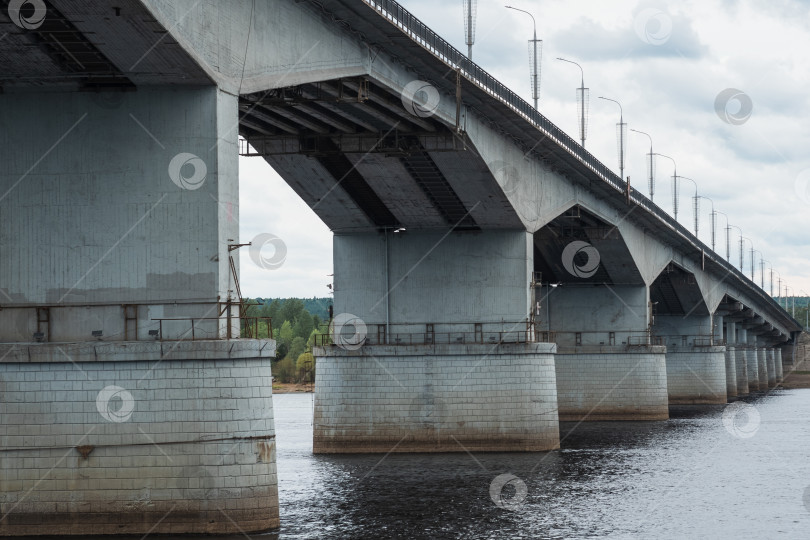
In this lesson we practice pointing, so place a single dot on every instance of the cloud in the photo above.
(651, 33)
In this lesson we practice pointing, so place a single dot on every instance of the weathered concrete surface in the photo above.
(99, 221)
(777, 360)
(433, 277)
(762, 368)
(178, 442)
(731, 372)
(771, 365)
(441, 398)
(753, 369)
(612, 383)
(696, 375)
(740, 359)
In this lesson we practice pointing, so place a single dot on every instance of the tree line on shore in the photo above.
(295, 322)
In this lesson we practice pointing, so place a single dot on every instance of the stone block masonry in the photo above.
(731, 372)
(612, 383)
(121, 438)
(697, 375)
(740, 356)
(436, 398)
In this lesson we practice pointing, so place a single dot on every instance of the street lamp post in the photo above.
(650, 165)
(695, 200)
(761, 265)
(622, 131)
(674, 185)
(742, 247)
(711, 218)
(728, 231)
(535, 59)
(741, 243)
(583, 101)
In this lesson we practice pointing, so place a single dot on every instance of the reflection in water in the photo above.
(688, 477)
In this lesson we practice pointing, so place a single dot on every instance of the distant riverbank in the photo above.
(292, 388)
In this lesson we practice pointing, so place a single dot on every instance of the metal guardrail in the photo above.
(430, 334)
(427, 38)
(253, 321)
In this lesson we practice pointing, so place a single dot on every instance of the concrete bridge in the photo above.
(491, 276)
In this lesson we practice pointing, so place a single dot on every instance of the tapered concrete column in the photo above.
(769, 360)
(730, 338)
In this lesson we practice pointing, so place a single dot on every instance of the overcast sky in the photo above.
(667, 63)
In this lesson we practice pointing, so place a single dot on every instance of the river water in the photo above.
(708, 472)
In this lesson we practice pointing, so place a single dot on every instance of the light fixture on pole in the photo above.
(470, 11)
(535, 55)
(582, 103)
(650, 165)
(674, 185)
(621, 135)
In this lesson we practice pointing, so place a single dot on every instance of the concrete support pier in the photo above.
(731, 372)
(697, 376)
(740, 357)
(751, 360)
(409, 372)
(439, 398)
(769, 361)
(777, 362)
(133, 437)
(762, 368)
(696, 369)
(612, 383)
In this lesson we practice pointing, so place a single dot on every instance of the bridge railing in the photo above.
(427, 334)
(427, 38)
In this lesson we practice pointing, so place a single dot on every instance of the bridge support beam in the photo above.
(752, 365)
(769, 362)
(777, 362)
(729, 332)
(762, 366)
(741, 361)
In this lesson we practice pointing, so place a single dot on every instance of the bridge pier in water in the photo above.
(431, 351)
(729, 336)
(116, 417)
